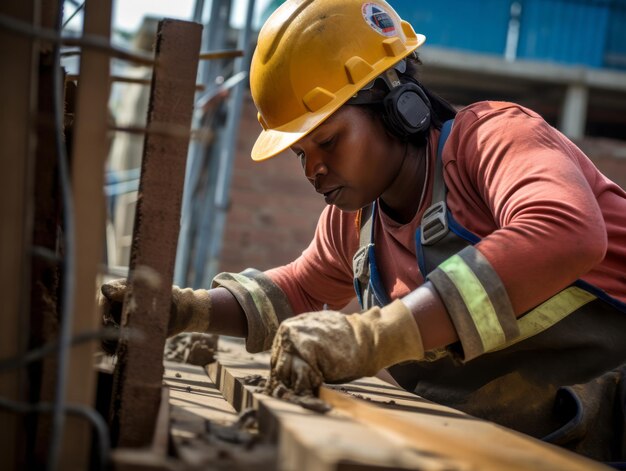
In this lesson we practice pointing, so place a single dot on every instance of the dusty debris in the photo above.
(193, 348)
(280, 391)
(244, 431)
(310, 402)
(255, 380)
(200, 354)
(344, 390)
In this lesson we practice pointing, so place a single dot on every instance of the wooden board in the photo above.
(310, 441)
(204, 427)
(433, 428)
(194, 400)
(374, 423)
(17, 86)
(89, 152)
(155, 235)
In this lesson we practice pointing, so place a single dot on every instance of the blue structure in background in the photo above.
(615, 53)
(477, 25)
(569, 31)
(583, 32)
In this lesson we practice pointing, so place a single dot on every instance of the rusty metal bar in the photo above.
(221, 54)
(23, 28)
(131, 80)
(139, 373)
(203, 56)
(87, 41)
(168, 130)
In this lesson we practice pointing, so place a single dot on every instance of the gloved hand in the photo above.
(190, 310)
(332, 347)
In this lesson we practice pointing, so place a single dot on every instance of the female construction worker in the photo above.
(487, 251)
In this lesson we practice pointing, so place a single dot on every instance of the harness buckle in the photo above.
(360, 264)
(434, 223)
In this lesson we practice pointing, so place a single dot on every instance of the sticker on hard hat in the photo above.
(378, 19)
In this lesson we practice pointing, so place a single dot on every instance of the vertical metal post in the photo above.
(228, 153)
(214, 38)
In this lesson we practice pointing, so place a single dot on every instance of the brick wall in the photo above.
(274, 209)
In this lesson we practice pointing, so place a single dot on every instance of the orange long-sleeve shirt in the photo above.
(545, 214)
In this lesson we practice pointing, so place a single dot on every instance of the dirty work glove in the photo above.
(189, 312)
(332, 347)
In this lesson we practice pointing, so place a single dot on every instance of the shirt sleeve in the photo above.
(322, 275)
(547, 227)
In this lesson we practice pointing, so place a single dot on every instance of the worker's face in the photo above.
(350, 158)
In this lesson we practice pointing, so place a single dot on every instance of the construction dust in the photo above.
(193, 348)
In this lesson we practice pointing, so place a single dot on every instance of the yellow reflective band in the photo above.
(552, 311)
(476, 300)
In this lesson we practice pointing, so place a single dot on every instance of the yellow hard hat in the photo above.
(312, 56)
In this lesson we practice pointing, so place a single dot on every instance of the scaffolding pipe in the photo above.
(227, 156)
(214, 38)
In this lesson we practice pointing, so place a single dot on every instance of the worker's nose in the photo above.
(314, 167)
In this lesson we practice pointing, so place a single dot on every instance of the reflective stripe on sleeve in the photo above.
(477, 302)
(481, 311)
(547, 314)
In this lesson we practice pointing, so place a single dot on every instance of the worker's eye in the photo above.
(327, 144)
(301, 157)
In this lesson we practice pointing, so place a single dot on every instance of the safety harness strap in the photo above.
(434, 227)
(362, 259)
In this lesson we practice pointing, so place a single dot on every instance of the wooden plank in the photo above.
(155, 235)
(194, 401)
(45, 272)
(410, 423)
(155, 457)
(195, 397)
(310, 441)
(206, 431)
(89, 152)
(18, 62)
(430, 427)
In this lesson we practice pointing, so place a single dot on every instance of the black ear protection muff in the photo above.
(407, 108)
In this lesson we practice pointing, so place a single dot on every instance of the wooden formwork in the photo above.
(137, 386)
(18, 82)
(89, 152)
(24, 133)
(374, 425)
